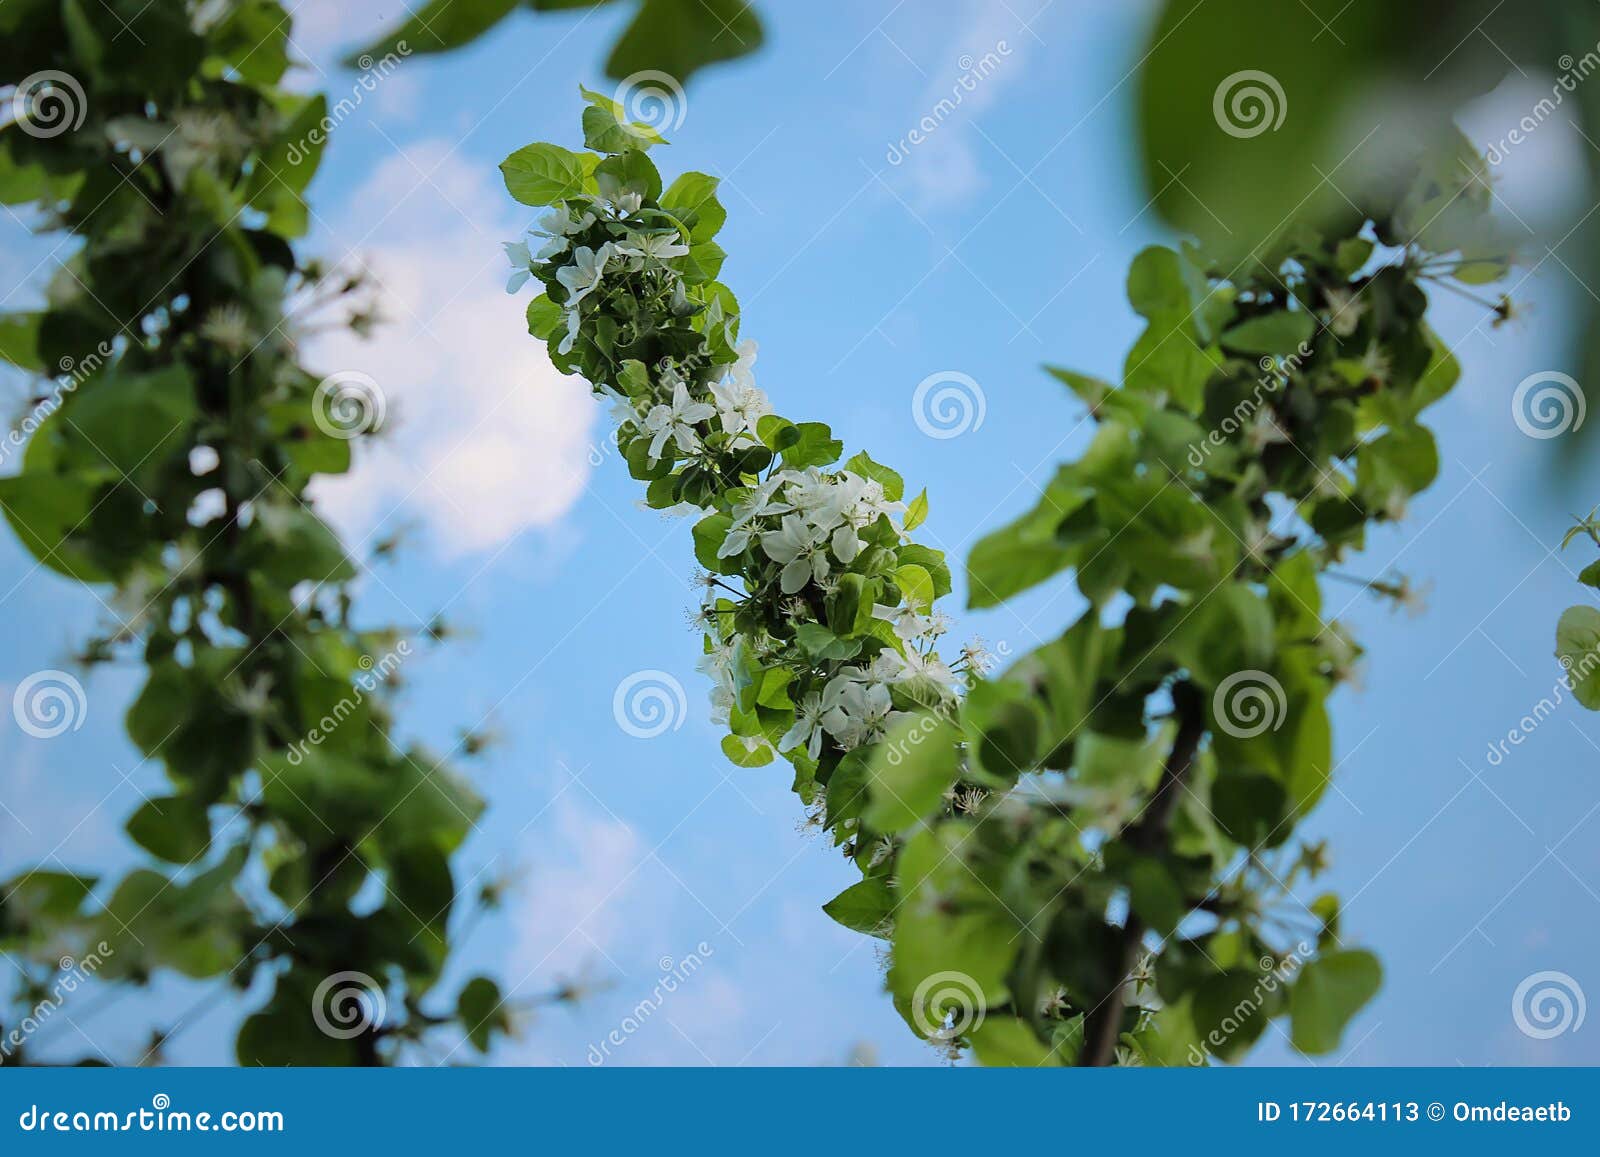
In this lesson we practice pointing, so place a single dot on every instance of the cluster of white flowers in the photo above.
(807, 521)
(587, 268)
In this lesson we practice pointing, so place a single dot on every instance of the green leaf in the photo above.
(19, 341)
(816, 446)
(709, 535)
(1250, 808)
(1231, 1010)
(1042, 543)
(130, 421)
(916, 586)
(1240, 123)
(820, 643)
(544, 174)
(894, 486)
(1578, 649)
(606, 128)
(910, 771)
(954, 944)
(629, 172)
(482, 1011)
(742, 754)
(678, 37)
(696, 193)
(290, 543)
(1278, 332)
(545, 317)
(284, 169)
(437, 26)
(916, 512)
(1009, 1042)
(175, 828)
(44, 509)
(777, 433)
(1329, 991)
(867, 907)
(1155, 283)
(1004, 724)
(1589, 576)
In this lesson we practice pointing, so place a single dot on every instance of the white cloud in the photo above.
(1541, 175)
(324, 32)
(573, 901)
(941, 169)
(485, 439)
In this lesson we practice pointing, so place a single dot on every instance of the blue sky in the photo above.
(997, 245)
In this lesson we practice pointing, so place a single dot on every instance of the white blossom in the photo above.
(797, 546)
(676, 420)
(861, 713)
(656, 246)
(583, 276)
(807, 727)
(740, 405)
(521, 264)
(759, 504)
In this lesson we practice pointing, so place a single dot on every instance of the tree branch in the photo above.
(1103, 1024)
